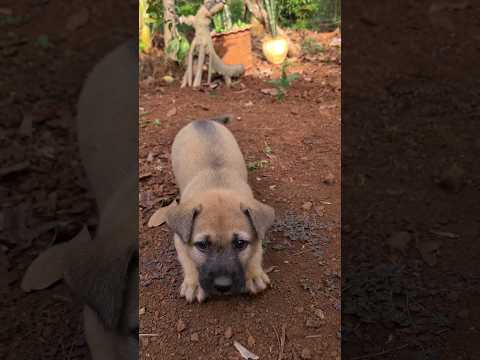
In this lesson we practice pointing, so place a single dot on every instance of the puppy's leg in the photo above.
(190, 288)
(256, 280)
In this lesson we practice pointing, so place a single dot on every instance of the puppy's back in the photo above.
(206, 146)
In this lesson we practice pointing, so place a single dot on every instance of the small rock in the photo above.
(181, 325)
(194, 337)
(320, 210)
(150, 157)
(307, 206)
(320, 314)
(452, 179)
(314, 323)
(306, 354)
(251, 341)
(249, 104)
(141, 311)
(270, 91)
(399, 241)
(172, 112)
(329, 179)
(78, 20)
(228, 332)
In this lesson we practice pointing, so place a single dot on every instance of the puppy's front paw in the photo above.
(257, 281)
(192, 290)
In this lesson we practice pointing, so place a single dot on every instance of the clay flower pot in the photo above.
(235, 47)
(275, 49)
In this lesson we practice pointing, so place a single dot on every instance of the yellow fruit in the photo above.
(275, 49)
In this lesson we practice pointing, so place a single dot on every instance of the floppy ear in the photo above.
(99, 278)
(261, 217)
(49, 267)
(181, 219)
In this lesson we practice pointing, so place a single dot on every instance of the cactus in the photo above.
(271, 8)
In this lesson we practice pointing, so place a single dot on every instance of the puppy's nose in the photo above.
(222, 284)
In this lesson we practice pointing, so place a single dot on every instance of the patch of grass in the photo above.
(255, 165)
(156, 122)
(312, 47)
(44, 42)
(12, 20)
(268, 150)
(284, 82)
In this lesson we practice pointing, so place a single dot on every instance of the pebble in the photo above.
(141, 311)
(329, 179)
(306, 354)
(307, 206)
(313, 323)
(194, 337)
(320, 314)
(251, 341)
(228, 332)
(181, 325)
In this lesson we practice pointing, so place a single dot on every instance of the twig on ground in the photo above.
(380, 353)
(282, 342)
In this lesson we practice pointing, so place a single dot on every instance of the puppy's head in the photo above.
(222, 232)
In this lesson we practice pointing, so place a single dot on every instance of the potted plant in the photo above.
(274, 47)
(232, 38)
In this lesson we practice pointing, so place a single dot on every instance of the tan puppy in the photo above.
(218, 225)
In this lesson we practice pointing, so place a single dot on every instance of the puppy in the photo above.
(103, 272)
(219, 226)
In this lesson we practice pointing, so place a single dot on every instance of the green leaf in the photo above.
(43, 41)
(293, 77)
(183, 49)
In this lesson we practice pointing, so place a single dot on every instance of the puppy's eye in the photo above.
(239, 244)
(202, 245)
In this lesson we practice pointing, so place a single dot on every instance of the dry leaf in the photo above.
(445, 234)
(429, 250)
(26, 128)
(171, 112)
(399, 241)
(271, 91)
(246, 354)
(159, 217)
(49, 266)
(78, 20)
(448, 5)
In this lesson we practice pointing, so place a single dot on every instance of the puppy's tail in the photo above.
(222, 119)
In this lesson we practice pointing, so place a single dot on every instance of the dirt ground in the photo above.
(410, 249)
(46, 50)
(293, 151)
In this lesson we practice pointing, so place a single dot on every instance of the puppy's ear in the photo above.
(181, 219)
(99, 277)
(261, 217)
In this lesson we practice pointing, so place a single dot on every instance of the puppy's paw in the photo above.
(257, 281)
(191, 291)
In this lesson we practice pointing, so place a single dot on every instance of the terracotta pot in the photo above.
(235, 47)
(275, 49)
